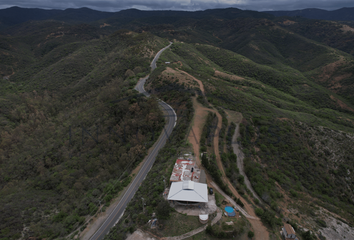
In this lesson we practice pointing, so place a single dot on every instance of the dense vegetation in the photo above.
(275, 135)
(72, 127)
(70, 124)
(152, 188)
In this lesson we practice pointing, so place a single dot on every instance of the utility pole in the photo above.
(143, 204)
(164, 183)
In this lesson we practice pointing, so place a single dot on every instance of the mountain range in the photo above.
(15, 15)
(343, 14)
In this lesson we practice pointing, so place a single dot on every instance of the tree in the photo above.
(163, 210)
(238, 201)
(259, 212)
(307, 236)
(205, 161)
(250, 234)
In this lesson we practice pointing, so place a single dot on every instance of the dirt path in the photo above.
(240, 157)
(195, 133)
(201, 86)
(198, 230)
(233, 202)
(261, 232)
(139, 234)
(216, 144)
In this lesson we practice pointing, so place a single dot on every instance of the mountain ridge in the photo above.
(15, 15)
(342, 14)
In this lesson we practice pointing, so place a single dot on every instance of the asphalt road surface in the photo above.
(172, 119)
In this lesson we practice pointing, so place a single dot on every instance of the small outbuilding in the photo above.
(288, 232)
(203, 218)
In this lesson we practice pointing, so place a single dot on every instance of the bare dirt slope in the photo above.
(199, 118)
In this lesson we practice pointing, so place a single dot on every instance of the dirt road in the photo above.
(240, 157)
(261, 233)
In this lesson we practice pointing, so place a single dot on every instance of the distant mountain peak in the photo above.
(342, 14)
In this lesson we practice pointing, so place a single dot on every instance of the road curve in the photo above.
(149, 161)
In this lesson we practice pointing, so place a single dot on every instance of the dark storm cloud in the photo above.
(116, 5)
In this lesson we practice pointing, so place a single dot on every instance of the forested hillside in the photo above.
(72, 127)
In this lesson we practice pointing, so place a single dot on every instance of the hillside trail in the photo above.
(200, 114)
(201, 86)
(261, 232)
(240, 156)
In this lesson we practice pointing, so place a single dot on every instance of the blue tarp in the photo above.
(230, 211)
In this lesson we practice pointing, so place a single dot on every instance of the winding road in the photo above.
(118, 211)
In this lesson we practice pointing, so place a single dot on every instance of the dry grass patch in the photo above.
(233, 116)
(346, 28)
(179, 224)
(328, 70)
(342, 104)
(228, 76)
(181, 77)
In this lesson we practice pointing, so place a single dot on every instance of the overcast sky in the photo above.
(190, 5)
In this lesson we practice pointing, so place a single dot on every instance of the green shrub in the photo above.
(293, 193)
(259, 212)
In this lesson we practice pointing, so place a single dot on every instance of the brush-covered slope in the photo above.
(271, 44)
(72, 129)
(338, 35)
(296, 138)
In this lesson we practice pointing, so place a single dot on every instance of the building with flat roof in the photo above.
(188, 192)
(186, 170)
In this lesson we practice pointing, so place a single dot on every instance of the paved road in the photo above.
(149, 161)
(141, 83)
(153, 63)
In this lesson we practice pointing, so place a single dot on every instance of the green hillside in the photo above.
(292, 133)
(67, 140)
(72, 128)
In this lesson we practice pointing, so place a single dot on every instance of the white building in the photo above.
(188, 192)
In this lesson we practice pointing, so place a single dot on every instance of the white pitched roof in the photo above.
(188, 191)
(188, 185)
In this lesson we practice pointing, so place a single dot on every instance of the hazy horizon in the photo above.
(184, 5)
